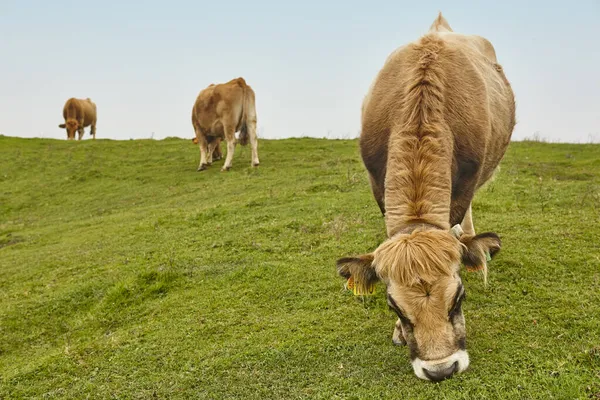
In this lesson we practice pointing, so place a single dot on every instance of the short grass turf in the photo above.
(126, 274)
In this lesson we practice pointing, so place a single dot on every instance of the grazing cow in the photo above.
(220, 111)
(78, 114)
(217, 155)
(435, 125)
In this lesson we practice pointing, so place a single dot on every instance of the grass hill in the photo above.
(124, 273)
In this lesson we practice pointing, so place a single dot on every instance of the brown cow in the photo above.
(220, 111)
(78, 114)
(435, 125)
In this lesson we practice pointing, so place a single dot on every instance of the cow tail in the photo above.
(244, 137)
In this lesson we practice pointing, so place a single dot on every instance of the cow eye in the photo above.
(393, 306)
(457, 304)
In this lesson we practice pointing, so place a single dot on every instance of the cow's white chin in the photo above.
(461, 357)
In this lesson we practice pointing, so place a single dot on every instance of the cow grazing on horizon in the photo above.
(79, 114)
(220, 111)
(436, 123)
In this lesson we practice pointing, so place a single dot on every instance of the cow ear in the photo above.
(479, 249)
(360, 268)
(62, 126)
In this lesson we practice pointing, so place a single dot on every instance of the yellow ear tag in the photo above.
(352, 285)
(487, 256)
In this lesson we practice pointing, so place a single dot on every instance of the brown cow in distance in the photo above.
(220, 111)
(79, 114)
(435, 125)
(217, 155)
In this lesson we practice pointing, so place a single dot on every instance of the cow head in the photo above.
(71, 126)
(421, 272)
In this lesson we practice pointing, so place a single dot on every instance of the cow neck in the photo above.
(420, 226)
(418, 184)
(418, 181)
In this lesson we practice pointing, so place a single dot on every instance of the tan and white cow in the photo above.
(220, 111)
(79, 114)
(435, 125)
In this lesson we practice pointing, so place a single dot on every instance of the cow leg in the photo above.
(251, 126)
(217, 155)
(211, 149)
(93, 131)
(80, 130)
(230, 138)
(378, 193)
(203, 151)
(467, 223)
(398, 336)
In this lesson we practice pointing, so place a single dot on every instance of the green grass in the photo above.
(124, 273)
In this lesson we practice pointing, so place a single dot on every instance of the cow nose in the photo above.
(441, 374)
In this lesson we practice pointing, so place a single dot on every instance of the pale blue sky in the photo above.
(310, 62)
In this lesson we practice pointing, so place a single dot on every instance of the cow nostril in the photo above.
(442, 374)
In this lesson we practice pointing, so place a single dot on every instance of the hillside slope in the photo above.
(124, 273)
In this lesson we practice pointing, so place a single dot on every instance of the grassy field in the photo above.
(126, 274)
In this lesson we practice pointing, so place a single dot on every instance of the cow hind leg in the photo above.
(203, 152)
(93, 131)
(230, 138)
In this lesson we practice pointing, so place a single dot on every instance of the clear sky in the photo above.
(309, 62)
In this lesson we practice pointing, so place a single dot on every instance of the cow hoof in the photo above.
(255, 164)
(202, 167)
(399, 341)
(224, 169)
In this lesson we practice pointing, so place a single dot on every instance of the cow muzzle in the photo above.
(438, 370)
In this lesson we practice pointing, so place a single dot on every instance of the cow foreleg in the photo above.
(212, 145)
(230, 138)
(217, 155)
(80, 130)
(467, 223)
(378, 193)
(398, 336)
